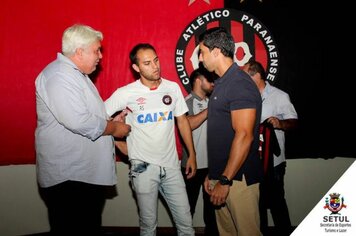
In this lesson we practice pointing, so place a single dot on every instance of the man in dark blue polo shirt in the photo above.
(234, 111)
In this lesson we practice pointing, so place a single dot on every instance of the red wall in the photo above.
(31, 34)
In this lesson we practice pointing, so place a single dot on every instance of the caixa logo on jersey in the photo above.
(252, 39)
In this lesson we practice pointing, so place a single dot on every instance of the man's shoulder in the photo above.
(58, 72)
(171, 86)
(169, 82)
(189, 97)
(133, 85)
(127, 89)
(276, 91)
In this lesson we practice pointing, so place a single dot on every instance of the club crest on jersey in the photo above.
(167, 99)
(252, 39)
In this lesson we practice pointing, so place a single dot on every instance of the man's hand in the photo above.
(121, 117)
(117, 129)
(207, 185)
(121, 129)
(191, 167)
(219, 194)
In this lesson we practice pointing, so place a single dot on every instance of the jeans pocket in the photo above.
(137, 167)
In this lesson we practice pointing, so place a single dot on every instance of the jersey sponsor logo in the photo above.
(252, 39)
(155, 117)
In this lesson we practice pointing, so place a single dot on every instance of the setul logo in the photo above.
(335, 222)
(252, 39)
(335, 203)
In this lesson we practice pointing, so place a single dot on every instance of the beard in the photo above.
(154, 76)
(207, 91)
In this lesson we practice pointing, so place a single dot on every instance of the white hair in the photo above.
(79, 36)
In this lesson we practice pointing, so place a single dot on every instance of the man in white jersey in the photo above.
(153, 103)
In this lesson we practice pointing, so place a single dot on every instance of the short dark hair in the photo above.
(201, 70)
(135, 49)
(256, 67)
(219, 37)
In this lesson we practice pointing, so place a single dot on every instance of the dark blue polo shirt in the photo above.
(233, 91)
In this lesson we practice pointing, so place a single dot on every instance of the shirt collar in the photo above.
(267, 90)
(227, 74)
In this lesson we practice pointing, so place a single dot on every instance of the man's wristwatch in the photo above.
(224, 180)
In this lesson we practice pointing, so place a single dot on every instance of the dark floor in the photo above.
(161, 231)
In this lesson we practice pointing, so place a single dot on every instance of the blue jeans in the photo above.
(194, 186)
(147, 180)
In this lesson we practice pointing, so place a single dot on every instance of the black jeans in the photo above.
(194, 186)
(74, 208)
(272, 197)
